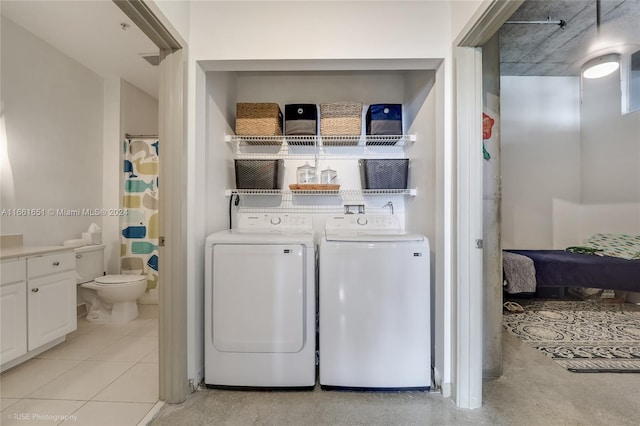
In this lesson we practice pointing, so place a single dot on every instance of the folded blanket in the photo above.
(616, 245)
(584, 250)
(519, 272)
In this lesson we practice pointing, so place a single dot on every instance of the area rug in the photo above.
(581, 336)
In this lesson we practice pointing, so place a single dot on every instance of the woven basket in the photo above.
(258, 119)
(341, 118)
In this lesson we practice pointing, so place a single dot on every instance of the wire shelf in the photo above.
(304, 147)
(347, 193)
(320, 140)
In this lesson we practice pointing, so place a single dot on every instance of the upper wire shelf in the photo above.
(310, 146)
(324, 140)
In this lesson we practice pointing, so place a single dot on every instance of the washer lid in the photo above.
(119, 279)
(234, 236)
(374, 238)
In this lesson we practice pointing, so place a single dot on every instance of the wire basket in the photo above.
(384, 173)
(258, 119)
(259, 174)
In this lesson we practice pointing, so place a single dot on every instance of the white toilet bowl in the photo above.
(113, 298)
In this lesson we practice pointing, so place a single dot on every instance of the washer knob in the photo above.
(276, 220)
(362, 221)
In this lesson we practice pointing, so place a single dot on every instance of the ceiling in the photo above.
(90, 32)
(548, 50)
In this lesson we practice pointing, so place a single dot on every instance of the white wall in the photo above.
(319, 29)
(610, 144)
(112, 177)
(574, 223)
(139, 111)
(540, 137)
(54, 115)
(177, 13)
(557, 144)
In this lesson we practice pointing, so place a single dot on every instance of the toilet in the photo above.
(110, 298)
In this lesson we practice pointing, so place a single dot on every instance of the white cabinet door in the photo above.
(52, 307)
(13, 321)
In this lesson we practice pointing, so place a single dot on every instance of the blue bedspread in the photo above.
(558, 268)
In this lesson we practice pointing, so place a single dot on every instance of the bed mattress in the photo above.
(559, 268)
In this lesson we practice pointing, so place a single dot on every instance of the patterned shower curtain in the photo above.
(139, 241)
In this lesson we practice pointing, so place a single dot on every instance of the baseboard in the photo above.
(447, 390)
(81, 310)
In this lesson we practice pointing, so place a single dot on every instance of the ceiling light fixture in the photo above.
(601, 66)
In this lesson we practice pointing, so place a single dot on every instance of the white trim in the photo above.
(151, 414)
(486, 22)
(172, 293)
(173, 383)
(468, 63)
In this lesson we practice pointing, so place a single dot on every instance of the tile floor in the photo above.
(103, 374)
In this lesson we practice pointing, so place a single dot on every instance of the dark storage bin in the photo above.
(259, 174)
(301, 120)
(384, 120)
(384, 173)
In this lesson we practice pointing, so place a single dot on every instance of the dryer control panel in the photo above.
(276, 222)
(362, 223)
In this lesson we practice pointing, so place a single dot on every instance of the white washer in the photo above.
(260, 303)
(374, 305)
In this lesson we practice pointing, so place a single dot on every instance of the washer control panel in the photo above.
(362, 223)
(274, 222)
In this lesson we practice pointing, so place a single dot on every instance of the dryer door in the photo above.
(258, 298)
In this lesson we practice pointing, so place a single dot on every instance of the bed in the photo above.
(605, 261)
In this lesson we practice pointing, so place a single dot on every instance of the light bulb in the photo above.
(601, 66)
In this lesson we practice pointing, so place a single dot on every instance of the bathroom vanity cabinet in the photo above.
(13, 309)
(38, 304)
(51, 297)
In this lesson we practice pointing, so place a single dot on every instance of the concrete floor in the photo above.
(532, 391)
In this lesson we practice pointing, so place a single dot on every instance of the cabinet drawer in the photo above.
(13, 271)
(50, 264)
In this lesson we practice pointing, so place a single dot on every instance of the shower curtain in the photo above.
(139, 240)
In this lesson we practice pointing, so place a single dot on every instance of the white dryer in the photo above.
(260, 303)
(374, 305)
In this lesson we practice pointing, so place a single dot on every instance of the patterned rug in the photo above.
(581, 336)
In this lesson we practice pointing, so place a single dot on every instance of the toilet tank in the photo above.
(89, 262)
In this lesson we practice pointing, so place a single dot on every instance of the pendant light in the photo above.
(602, 65)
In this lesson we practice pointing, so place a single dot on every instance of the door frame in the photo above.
(172, 250)
(468, 136)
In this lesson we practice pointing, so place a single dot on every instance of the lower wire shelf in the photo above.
(349, 193)
(318, 201)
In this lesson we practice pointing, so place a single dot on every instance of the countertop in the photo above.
(13, 252)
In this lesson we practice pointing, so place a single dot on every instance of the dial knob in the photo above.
(362, 221)
(276, 220)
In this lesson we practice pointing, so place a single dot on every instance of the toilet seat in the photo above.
(118, 280)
